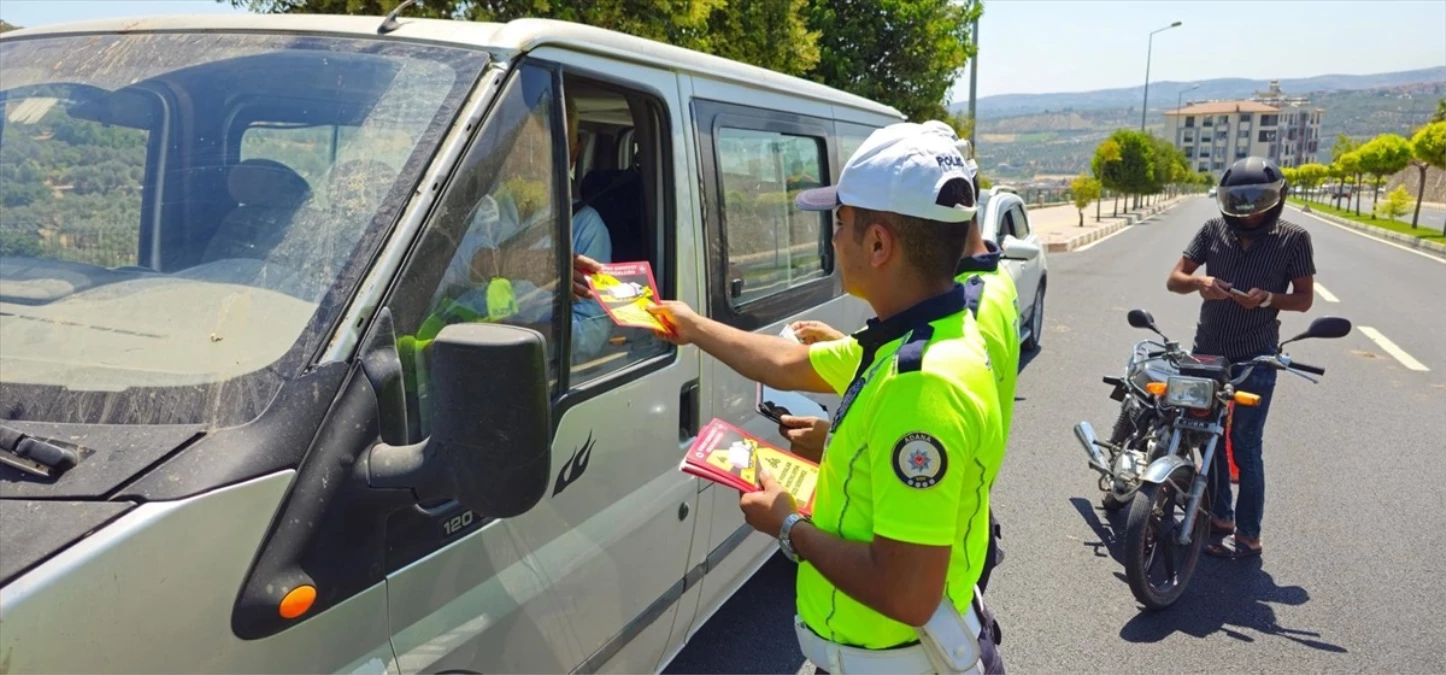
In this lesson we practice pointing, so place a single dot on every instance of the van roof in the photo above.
(506, 40)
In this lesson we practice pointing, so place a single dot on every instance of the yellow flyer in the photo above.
(626, 290)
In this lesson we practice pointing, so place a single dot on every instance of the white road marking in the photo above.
(1325, 294)
(1406, 359)
(1359, 233)
(1103, 239)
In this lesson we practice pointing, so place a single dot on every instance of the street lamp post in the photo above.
(1182, 93)
(1144, 109)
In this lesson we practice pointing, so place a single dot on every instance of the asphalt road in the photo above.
(1355, 525)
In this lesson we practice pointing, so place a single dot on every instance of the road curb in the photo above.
(1377, 232)
(1100, 233)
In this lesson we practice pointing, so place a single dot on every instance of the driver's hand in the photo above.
(1214, 289)
(582, 268)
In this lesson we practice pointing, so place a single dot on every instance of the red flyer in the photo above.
(730, 456)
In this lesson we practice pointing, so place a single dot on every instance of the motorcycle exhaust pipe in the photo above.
(1085, 432)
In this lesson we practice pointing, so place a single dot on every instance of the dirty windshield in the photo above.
(183, 215)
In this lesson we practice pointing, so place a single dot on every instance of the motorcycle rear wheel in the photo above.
(1156, 514)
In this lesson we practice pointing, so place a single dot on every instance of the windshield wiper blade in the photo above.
(33, 455)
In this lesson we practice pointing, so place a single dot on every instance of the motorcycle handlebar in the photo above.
(1314, 370)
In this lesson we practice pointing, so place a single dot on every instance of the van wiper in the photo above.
(33, 455)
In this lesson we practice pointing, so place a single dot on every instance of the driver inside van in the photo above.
(505, 268)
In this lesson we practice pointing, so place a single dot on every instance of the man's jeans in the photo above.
(1246, 436)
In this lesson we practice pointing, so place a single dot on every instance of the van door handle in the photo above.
(688, 411)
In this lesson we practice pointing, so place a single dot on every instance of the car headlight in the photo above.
(1190, 392)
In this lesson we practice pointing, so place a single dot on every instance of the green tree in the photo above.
(1084, 189)
(1170, 166)
(1338, 175)
(1383, 156)
(1106, 166)
(1440, 114)
(1343, 145)
(904, 53)
(1310, 176)
(1397, 203)
(1351, 163)
(1137, 163)
(1428, 149)
(772, 34)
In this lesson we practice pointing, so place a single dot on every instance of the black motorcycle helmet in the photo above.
(1251, 186)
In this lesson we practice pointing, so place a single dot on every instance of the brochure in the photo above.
(730, 456)
(626, 290)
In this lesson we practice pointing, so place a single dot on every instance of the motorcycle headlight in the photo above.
(1190, 392)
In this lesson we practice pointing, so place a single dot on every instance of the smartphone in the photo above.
(1236, 291)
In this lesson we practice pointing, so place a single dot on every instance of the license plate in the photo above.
(1195, 425)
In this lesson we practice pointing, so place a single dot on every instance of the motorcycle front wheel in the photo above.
(1158, 567)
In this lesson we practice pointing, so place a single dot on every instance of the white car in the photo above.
(1006, 223)
(1211, 193)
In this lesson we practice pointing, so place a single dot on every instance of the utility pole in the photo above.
(974, 90)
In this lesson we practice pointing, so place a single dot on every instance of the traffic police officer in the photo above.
(889, 562)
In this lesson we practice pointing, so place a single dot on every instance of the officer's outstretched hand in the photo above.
(806, 436)
(766, 509)
(815, 331)
(680, 317)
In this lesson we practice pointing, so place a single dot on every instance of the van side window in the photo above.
(618, 212)
(767, 260)
(850, 137)
(772, 244)
(489, 251)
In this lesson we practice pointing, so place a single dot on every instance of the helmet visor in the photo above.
(1248, 200)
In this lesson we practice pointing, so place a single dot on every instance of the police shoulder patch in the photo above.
(920, 460)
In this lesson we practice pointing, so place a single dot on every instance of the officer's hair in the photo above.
(933, 247)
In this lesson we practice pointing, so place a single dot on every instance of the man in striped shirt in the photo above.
(1248, 247)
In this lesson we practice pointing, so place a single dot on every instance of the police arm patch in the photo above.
(920, 460)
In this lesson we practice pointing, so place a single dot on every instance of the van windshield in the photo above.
(182, 215)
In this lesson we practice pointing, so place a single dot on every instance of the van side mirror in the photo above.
(1015, 248)
(490, 445)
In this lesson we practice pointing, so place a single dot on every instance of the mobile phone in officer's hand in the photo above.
(1236, 291)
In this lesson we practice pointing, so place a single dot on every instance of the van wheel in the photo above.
(1036, 321)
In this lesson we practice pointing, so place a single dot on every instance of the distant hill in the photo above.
(7, 26)
(1061, 140)
(1162, 94)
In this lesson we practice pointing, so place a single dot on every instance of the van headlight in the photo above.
(1190, 392)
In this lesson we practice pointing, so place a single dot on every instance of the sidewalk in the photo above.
(1058, 226)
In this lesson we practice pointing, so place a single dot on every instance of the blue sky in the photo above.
(1080, 45)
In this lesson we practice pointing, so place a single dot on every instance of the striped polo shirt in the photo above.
(1280, 252)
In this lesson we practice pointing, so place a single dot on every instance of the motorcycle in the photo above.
(1174, 409)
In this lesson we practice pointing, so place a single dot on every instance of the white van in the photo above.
(285, 381)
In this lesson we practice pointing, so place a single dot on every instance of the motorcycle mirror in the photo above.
(1139, 318)
(1328, 327)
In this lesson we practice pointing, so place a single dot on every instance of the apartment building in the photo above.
(1213, 134)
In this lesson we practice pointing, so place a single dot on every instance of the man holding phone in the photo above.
(1249, 246)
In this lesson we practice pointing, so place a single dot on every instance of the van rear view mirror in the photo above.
(490, 444)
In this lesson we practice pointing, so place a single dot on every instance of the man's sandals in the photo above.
(1236, 549)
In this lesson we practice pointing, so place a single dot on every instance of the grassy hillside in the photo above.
(1162, 94)
(1062, 141)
